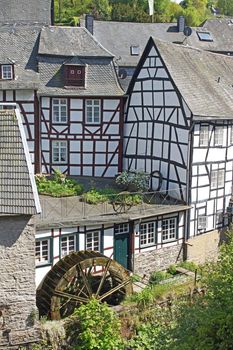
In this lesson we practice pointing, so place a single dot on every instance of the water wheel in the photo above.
(77, 278)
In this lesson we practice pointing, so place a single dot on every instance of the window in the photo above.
(59, 151)
(218, 136)
(59, 110)
(202, 222)
(93, 241)
(204, 136)
(147, 234)
(68, 244)
(122, 228)
(219, 217)
(169, 229)
(7, 72)
(217, 178)
(42, 252)
(204, 36)
(93, 111)
(74, 75)
(134, 50)
(231, 136)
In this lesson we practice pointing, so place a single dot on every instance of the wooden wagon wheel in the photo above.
(77, 278)
(121, 204)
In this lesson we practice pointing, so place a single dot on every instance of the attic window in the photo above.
(6, 71)
(74, 75)
(205, 36)
(134, 50)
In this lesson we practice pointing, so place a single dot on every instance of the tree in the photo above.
(226, 7)
(94, 326)
(207, 323)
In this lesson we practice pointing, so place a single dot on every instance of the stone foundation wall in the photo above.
(203, 248)
(17, 281)
(158, 259)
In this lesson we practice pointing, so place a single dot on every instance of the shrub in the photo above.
(188, 265)
(135, 181)
(172, 269)
(158, 276)
(94, 326)
(58, 185)
(95, 196)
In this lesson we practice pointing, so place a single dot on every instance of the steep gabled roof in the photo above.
(19, 45)
(118, 37)
(70, 41)
(221, 31)
(18, 193)
(203, 78)
(59, 46)
(25, 11)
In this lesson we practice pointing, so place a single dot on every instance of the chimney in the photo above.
(89, 23)
(180, 24)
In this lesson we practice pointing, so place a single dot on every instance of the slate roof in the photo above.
(18, 194)
(221, 30)
(19, 45)
(25, 11)
(204, 79)
(118, 37)
(59, 46)
(70, 41)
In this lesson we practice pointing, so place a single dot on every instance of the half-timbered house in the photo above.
(178, 128)
(81, 104)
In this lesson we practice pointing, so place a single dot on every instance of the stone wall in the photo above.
(157, 259)
(204, 247)
(17, 281)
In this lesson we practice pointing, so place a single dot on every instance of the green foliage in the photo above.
(95, 196)
(172, 269)
(188, 265)
(151, 336)
(58, 186)
(207, 323)
(94, 326)
(226, 7)
(136, 181)
(159, 276)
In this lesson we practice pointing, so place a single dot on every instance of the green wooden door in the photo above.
(121, 249)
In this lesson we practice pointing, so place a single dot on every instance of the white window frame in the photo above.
(65, 246)
(8, 74)
(218, 136)
(219, 217)
(204, 136)
(121, 228)
(148, 231)
(93, 244)
(231, 135)
(169, 229)
(60, 148)
(202, 222)
(217, 179)
(93, 111)
(41, 260)
(59, 110)
(134, 50)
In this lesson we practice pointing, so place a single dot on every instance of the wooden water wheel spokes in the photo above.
(77, 278)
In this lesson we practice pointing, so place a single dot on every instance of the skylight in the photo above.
(204, 36)
(134, 50)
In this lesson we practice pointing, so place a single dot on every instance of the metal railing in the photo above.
(114, 204)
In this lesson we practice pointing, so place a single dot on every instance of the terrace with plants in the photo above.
(128, 197)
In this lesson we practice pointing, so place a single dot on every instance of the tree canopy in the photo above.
(195, 11)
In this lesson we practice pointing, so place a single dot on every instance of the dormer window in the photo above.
(74, 75)
(6, 71)
(204, 36)
(134, 50)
